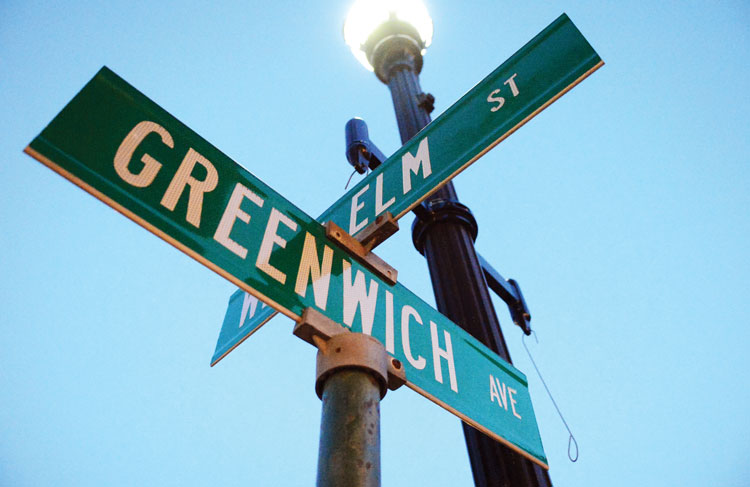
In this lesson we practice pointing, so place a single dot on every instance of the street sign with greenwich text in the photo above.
(127, 151)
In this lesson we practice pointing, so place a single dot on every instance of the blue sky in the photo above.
(621, 210)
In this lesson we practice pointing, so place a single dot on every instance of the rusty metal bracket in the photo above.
(352, 350)
(314, 327)
(353, 246)
(339, 348)
(378, 231)
(396, 373)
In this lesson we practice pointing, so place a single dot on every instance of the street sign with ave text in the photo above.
(124, 149)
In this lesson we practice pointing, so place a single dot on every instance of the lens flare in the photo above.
(367, 15)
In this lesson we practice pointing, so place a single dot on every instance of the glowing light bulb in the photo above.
(365, 16)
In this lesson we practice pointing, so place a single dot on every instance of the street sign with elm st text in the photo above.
(547, 67)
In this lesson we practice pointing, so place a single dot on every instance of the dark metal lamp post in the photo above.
(390, 38)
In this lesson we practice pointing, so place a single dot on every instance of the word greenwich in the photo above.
(127, 151)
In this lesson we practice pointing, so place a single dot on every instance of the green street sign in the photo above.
(552, 63)
(442, 362)
(121, 147)
(245, 314)
(548, 66)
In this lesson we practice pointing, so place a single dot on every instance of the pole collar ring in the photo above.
(352, 350)
(441, 211)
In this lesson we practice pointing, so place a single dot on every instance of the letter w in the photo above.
(356, 294)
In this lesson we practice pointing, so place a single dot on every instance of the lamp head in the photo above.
(384, 34)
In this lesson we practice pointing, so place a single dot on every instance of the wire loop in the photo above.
(571, 439)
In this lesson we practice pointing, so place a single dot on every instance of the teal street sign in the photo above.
(442, 362)
(552, 63)
(245, 314)
(124, 149)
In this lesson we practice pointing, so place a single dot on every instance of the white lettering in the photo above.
(501, 387)
(319, 272)
(249, 306)
(410, 163)
(504, 394)
(150, 165)
(379, 206)
(512, 402)
(355, 294)
(446, 353)
(496, 99)
(389, 338)
(198, 188)
(406, 312)
(233, 212)
(354, 227)
(271, 238)
(493, 391)
(511, 82)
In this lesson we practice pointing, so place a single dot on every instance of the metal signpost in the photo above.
(124, 149)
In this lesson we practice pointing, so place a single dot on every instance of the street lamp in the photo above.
(380, 32)
(390, 37)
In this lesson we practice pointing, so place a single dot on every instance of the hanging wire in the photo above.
(367, 171)
(350, 179)
(571, 440)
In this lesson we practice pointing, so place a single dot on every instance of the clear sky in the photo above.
(622, 210)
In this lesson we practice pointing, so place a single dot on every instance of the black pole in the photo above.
(444, 232)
